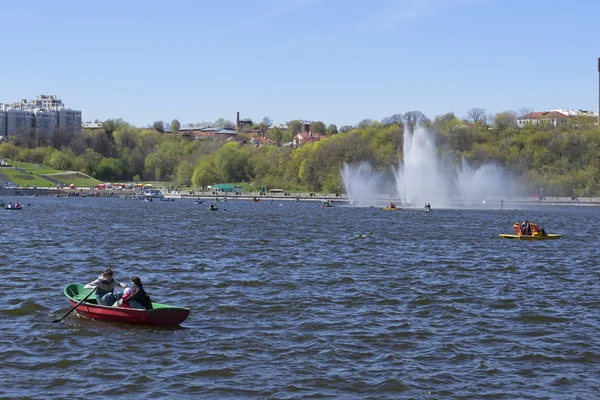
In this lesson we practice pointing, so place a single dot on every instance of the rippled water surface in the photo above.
(294, 301)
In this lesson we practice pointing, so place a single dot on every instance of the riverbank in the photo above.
(214, 196)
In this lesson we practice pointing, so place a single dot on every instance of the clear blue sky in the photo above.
(338, 61)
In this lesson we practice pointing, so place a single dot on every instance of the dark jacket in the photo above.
(141, 297)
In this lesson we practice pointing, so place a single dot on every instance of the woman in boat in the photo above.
(139, 299)
(105, 292)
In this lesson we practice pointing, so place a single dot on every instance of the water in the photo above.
(295, 301)
(423, 177)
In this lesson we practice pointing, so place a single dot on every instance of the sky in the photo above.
(337, 61)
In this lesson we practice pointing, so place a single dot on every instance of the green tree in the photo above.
(231, 162)
(184, 173)
(175, 125)
(295, 127)
(205, 173)
(331, 130)
(318, 127)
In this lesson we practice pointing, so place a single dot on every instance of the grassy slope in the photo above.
(67, 177)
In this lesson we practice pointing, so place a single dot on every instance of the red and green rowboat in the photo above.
(160, 314)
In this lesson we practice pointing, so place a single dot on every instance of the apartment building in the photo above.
(44, 114)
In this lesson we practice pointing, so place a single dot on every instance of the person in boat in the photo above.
(139, 298)
(427, 206)
(105, 288)
(213, 207)
(392, 205)
(525, 228)
(535, 228)
(126, 294)
(16, 205)
(517, 228)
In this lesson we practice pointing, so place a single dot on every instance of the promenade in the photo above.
(505, 203)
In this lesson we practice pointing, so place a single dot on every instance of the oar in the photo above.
(76, 305)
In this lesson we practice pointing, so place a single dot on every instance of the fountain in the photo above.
(423, 178)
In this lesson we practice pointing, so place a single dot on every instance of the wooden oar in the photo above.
(76, 305)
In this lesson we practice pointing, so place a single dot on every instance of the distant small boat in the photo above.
(13, 208)
(167, 199)
(198, 201)
(388, 208)
(256, 200)
(213, 208)
(327, 204)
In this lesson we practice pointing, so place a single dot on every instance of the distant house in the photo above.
(261, 141)
(309, 137)
(555, 117)
(283, 127)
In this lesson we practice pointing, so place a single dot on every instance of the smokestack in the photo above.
(237, 118)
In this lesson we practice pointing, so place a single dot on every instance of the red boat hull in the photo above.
(158, 317)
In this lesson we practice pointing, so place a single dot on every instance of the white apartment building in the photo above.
(44, 114)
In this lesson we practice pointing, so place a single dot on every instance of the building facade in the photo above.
(2, 123)
(46, 121)
(70, 120)
(44, 114)
(18, 121)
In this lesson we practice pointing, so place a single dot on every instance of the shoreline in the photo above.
(304, 196)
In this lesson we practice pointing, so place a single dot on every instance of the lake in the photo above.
(289, 300)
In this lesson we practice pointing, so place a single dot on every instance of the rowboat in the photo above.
(388, 208)
(529, 237)
(14, 208)
(160, 314)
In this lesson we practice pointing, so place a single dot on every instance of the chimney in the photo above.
(237, 122)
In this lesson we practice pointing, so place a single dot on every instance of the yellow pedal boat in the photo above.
(391, 208)
(529, 237)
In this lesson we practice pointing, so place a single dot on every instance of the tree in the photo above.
(345, 128)
(204, 173)
(365, 122)
(267, 121)
(231, 162)
(224, 123)
(175, 125)
(524, 111)
(394, 119)
(159, 126)
(476, 115)
(184, 173)
(505, 120)
(318, 127)
(331, 130)
(275, 134)
(414, 118)
(295, 127)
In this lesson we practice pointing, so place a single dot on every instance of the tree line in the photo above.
(558, 159)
